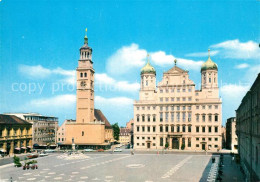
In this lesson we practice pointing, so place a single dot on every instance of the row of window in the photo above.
(44, 139)
(38, 118)
(197, 138)
(172, 99)
(177, 107)
(165, 117)
(172, 90)
(15, 132)
(177, 128)
(61, 139)
(83, 74)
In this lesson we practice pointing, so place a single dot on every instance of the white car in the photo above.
(49, 151)
(88, 150)
(118, 150)
(43, 154)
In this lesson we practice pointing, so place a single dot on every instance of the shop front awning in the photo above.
(23, 147)
(29, 146)
(17, 148)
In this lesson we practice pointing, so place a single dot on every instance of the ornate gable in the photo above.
(176, 70)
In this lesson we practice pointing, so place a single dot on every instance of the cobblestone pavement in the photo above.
(113, 168)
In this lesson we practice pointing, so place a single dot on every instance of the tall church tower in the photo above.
(85, 84)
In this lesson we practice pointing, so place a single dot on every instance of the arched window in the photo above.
(82, 133)
(172, 128)
(183, 128)
(189, 128)
(178, 128)
(81, 75)
(88, 54)
(85, 74)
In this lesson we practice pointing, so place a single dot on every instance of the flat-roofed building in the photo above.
(44, 128)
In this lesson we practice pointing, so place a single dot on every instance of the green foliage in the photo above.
(17, 162)
(31, 162)
(116, 131)
(183, 146)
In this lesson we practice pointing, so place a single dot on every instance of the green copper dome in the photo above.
(209, 64)
(148, 68)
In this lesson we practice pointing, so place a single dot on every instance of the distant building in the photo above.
(130, 126)
(61, 133)
(91, 128)
(223, 134)
(248, 131)
(124, 136)
(44, 128)
(175, 114)
(15, 135)
(231, 136)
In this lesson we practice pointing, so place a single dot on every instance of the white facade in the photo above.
(175, 115)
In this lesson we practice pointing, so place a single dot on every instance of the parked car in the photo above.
(100, 150)
(88, 150)
(43, 155)
(118, 150)
(49, 151)
(30, 156)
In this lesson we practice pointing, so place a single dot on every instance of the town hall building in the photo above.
(174, 115)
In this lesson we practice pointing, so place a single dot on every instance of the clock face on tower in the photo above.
(83, 83)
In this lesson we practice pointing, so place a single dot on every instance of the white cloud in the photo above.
(238, 50)
(103, 81)
(39, 72)
(34, 71)
(59, 101)
(114, 101)
(126, 58)
(202, 54)
(234, 91)
(242, 66)
(131, 57)
(161, 59)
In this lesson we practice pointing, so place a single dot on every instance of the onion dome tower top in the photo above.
(209, 64)
(148, 68)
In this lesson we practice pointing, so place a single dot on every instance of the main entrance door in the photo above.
(148, 145)
(175, 143)
(203, 146)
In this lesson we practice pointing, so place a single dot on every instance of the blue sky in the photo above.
(40, 43)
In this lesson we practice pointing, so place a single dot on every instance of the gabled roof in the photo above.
(124, 131)
(100, 117)
(12, 120)
(175, 70)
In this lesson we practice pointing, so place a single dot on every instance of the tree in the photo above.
(116, 131)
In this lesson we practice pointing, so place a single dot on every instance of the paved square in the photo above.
(113, 168)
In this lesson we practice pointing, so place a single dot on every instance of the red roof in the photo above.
(12, 120)
(100, 117)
